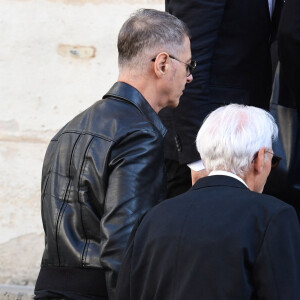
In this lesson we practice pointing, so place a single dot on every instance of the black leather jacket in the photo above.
(101, 172)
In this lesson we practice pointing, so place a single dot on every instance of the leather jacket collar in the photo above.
(126, 92)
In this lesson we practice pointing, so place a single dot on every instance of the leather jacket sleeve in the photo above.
(123, 285)
(136, 183)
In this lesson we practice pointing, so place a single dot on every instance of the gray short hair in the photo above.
(231, 135)
(149, 29)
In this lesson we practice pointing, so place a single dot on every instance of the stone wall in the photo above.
(56, 58)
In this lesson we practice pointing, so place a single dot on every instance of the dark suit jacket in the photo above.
(231, 43)
(218, 241)
(289, 54)
(284, 181)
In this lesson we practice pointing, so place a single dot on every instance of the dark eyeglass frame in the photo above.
(275, 159)
(190, 68)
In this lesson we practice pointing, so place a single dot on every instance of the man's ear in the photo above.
(260, 160)
(161, 64)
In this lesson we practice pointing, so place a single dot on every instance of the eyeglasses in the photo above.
(189, 67)
(275, 159)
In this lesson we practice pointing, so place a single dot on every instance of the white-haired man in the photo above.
(222, 239)
(105, 168)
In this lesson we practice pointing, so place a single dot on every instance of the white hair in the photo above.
(232, 134)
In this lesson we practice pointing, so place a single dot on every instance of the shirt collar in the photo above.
(225, 173)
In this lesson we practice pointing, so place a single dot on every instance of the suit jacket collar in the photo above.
(128, 93)
(218, 180)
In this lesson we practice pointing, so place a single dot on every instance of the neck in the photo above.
(146, 87)
(252, 181)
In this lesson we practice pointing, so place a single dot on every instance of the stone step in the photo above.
(16, 292)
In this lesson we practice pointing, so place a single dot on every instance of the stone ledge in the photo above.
(16, 292)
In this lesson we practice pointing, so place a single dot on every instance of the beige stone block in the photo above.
(76, 51)
(20, 259)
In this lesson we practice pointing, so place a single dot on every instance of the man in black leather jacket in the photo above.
(105, 168)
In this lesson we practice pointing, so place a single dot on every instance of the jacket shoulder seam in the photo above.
(83, 132)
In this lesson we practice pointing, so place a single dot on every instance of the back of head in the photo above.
(146, 33)
(231, 135)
